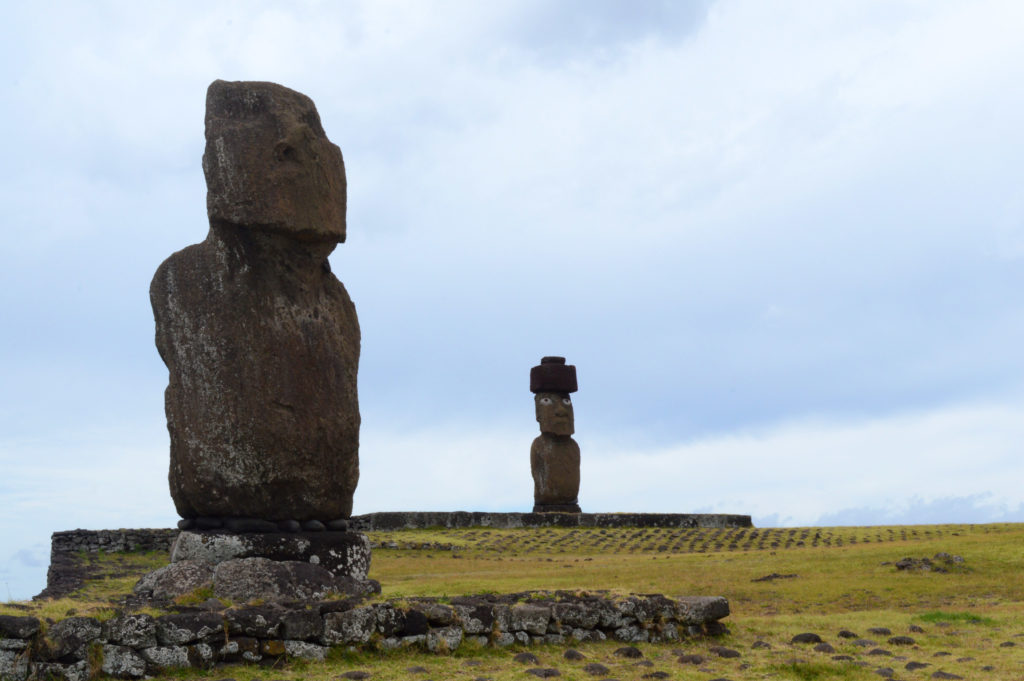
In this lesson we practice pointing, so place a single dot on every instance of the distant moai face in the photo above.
(554, 413)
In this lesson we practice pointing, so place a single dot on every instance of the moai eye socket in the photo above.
(566, 401)
(546, 401)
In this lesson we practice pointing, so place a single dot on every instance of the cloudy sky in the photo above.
(781, 241)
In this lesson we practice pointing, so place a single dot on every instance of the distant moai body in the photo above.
(260, 339)
(554, 456)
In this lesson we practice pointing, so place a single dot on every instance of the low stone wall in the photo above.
(137, 645)
(67, 573)
(410, 520)
(94, 541)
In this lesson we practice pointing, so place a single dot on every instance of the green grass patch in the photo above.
(957, 617)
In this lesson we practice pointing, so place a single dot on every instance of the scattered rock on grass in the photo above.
(656, 675)
(824, 648)
(865, 643)
(691, 658)
(879, 651)
(846, 633)
(945, 675)
(1007, 644)
(880, 631)
(629, 651)
(573, 654)
(914, 666)
(595, 669)
(356, 675)
(526, 658)
(544, 672)
(885, 672)
(722, 651)
(843, 658)
(901, 641)
(773, 576)
(806, 637)
(761, 644)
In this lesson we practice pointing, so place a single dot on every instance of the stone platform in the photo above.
(243, 567)
(411, 520)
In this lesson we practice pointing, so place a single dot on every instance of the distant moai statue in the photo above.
(554, 456)
(260, 339)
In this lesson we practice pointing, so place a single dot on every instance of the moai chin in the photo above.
(554, 456)
(260, 339)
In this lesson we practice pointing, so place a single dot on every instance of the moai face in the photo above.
(554, 413)
(269, 164)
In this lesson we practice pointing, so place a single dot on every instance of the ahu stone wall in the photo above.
(137, 645)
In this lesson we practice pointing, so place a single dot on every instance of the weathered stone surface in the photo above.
(166, 657)
(302, 625)
(351, 626)
(78, 671)
(12, 626)
(13, 665)
(260, 339)
(240, 649)
(416, 623)
(344, 554)
(305, 651)
(66, 640)
(262, 621)
(444, 639)
(175, 579)
(438, 614)
(389, 619)
(529, 618)
(246, 579)
(555, 462)
(700, 609)
(133, 630)
(122, 662)
(187, 627)
(475, 619)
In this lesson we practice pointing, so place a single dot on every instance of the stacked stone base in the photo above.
(243, 567)
(137, 645)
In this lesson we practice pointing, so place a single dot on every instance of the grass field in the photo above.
(966, 622)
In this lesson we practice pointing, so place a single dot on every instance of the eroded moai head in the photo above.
(269, 164)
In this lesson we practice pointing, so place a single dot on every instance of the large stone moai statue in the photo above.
(261, 340)
(262, 345)
(554, 456)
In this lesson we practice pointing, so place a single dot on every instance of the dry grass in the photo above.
(971, 618)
